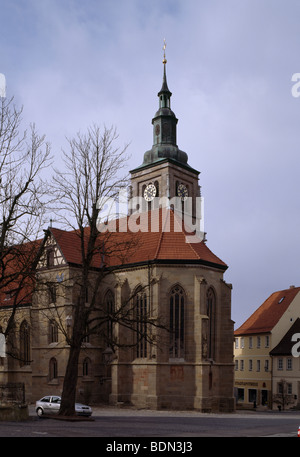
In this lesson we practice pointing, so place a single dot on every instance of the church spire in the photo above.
(164, 94)
(164, 127)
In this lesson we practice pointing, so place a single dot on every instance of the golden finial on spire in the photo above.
(164, 48)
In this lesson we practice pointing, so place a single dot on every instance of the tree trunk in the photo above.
(67, 407)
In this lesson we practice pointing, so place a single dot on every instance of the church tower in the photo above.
(179, 284)
(163, 308)
(165, 172)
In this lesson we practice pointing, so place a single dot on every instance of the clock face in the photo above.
(182, 192)
(150, 192)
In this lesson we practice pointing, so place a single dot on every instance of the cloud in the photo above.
(229, 68)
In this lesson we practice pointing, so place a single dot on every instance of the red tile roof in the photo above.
(268, 314)
(123, 248)
(169, 243)
(17, 279)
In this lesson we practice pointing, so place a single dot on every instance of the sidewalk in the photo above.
(109, 411)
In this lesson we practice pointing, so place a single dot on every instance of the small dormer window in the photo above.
(281, 300)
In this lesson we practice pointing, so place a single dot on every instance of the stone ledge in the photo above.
(13, 412)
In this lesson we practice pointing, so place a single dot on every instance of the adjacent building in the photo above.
(266, 359)
(286, 369)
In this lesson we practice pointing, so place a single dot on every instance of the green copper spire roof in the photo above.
(164, 128)
(164, 88)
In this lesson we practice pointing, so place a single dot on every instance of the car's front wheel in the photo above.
(39, 412)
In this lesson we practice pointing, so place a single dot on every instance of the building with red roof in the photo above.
(264, 356)
(161, 264)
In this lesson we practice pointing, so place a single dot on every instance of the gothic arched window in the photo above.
(141, 312)
(52, 369)
(86, 367)
(53, 331)
(211, 312)
(51, 293)
(109, 303)
(177, 322)
(24, 344)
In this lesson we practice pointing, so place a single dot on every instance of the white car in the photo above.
(51, 404)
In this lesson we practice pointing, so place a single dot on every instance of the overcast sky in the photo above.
(230, 65)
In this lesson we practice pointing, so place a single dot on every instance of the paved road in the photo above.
(112, 423)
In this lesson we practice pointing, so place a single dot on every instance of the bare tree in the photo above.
(93, 167)
(283, 398)
(23, 194)
(94, 173)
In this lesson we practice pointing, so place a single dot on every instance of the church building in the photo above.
(173, 275)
